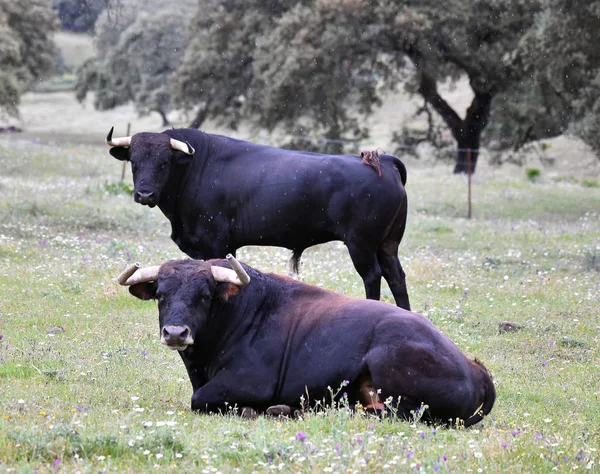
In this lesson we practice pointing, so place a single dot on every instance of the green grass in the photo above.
(100, 394)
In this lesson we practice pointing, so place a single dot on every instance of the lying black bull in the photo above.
(277, 339)
(221, 194)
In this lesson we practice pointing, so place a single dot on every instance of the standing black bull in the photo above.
(276, 339)
(221, 194)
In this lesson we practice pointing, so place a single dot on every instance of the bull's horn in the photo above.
(182, 146)
(241, 273)
(237, 276)
(125, 274)
(123, 141)
(133, 274)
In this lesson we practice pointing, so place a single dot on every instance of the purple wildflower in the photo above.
(538, 435)
(505, 446)
(422, 435)
(445, 457)
(515, 433)
(436, 468)
(300, 436)
(44, 242)
(545, 363)
(1, 336)
(144, 353)
(410, 454)
(57, 462)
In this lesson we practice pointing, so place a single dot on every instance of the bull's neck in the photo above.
(241, 317)
(170, 199)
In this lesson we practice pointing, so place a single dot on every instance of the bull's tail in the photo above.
(295, 260)
(489, 397)
(401, 169)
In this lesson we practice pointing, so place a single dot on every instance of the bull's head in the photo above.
(151, 155)
(185, 291)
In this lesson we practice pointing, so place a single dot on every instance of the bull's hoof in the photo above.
(279, 410)
(248, 413)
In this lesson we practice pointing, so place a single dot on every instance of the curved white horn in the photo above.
(237, 276)
(241, 273)
(182, 146)
(133, 275)
(125, 274)
(122, 141)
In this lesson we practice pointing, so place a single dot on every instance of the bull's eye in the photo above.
(160, 298)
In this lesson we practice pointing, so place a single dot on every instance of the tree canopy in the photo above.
(26, 50)
(327, 61)
(562, 52)
(322, 65)
(139, 50)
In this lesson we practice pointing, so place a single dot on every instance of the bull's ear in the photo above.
(121, 153)
(225, 290)
(144, 291)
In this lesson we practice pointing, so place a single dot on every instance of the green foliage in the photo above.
(216, 72)
(26, 48)
(119, 187)
(530, 110)
(560, 51)
(136, 60)
(323, 65)
(533, 173)
(297, 77)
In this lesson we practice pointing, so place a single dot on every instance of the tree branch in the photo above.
(428, 89)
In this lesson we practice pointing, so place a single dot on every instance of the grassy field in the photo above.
(86, 386)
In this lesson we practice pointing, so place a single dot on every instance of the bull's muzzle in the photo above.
(176, 337)
(145, 198)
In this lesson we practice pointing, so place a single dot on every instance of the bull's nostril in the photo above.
(142, 195)
(176, 334)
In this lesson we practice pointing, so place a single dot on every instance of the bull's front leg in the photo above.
(222, 397)
(212, 398)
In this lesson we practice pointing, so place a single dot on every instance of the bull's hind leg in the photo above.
(368, 395)
(365, 261)
(387, 256)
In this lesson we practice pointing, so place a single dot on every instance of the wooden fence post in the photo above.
(124, 161)
(469, 180)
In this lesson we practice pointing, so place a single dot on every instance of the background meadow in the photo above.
(86, 386)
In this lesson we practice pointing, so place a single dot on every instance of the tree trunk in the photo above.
(468, 137)
(467, 132)
(468, 145)
(163, 116)
(199, 118)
